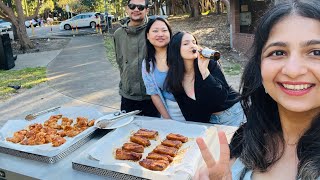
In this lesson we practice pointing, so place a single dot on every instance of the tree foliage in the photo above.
(31, 5)
(79, 6)
(13, 12)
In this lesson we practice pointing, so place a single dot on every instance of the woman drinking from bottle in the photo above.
(199, 85)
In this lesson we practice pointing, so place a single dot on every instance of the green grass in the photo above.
(111, 56)
(27, 78)
(233, 69)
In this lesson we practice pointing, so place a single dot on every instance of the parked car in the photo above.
(29, 22)
(5, 26)
(81, 20)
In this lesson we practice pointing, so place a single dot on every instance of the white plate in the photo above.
(102, 122)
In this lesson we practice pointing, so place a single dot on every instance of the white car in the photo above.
(81, 20)
(4, 25)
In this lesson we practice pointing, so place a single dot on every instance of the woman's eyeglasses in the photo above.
(139, 6)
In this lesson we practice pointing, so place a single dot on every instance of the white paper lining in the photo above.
(186, 161)
(48, 150)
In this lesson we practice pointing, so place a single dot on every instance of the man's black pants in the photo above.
(146, 106)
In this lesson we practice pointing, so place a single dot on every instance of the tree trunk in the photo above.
(168, 7)
(17, 18)
(15, 33)
(218, 7)
(195, 11)
(24, 40)
(173, 8)
(227, 4)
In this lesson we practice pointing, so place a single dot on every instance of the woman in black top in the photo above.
(199, 85)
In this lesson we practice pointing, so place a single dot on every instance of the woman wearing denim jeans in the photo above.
(154, 69)
(199, 85)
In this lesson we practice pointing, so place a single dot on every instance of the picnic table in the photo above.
(76, 165)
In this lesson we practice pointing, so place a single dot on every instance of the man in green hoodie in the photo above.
(129, 41)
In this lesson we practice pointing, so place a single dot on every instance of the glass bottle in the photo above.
(210, 53)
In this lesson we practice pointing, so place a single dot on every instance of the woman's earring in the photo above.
(265, 91)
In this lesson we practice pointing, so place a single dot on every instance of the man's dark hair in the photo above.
(146, 2)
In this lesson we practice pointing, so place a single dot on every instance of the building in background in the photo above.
(244, 17)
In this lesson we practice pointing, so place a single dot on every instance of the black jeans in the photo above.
(146, 106)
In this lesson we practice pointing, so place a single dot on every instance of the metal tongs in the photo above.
(104, 123)
(30, 117)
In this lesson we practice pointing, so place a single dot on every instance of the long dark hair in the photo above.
(257, 143)
(173, 82)
(150, 50)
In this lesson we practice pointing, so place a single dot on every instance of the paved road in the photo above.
(47, 31)
(80, 75)
(82, 71)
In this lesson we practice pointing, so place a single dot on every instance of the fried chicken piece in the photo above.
(127, 155)
(24, 142)
(157, 156)
(69, 131)
(35, 127)
(17, 136)
(81, 128)
(29, 141)
(161, 149)
(23, 132)
(81, 122)
(31, 134)
(48, 130)
(154, 165)
(58, 141)
(49, 137)
(140, 140)
(66, 122)
(68, 128)
(40, 138)
(149, 134)
(133, 147)
(91, 123)
(49, 121)
(15, 139)
(34, 138)
(178, 137)
(57, 117)
(172, 143)
(53, 124)
(61, 133)
(72, 133)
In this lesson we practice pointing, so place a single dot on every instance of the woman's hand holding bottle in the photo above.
(203, 63)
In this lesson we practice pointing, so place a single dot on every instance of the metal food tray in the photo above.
(75, 111)
(104, 172)
(47, 159)
(84, 164)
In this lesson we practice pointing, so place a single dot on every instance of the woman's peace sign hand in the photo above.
(215, 170)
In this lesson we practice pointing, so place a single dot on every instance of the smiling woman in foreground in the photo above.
(281, 99)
